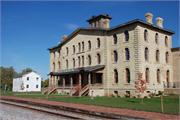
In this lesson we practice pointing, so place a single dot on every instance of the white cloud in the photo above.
(71, 26)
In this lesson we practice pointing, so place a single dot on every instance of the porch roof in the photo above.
(77, 70)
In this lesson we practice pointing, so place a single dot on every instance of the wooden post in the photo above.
(63, 83)
(79, 84)
(71, 82)
(162, 102)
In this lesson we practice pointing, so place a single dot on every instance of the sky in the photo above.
(29, 28)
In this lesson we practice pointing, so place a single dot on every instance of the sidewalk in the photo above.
(118, 111)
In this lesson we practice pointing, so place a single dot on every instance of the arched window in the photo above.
(115, 76)
(127, 75)
(158, 75)
(115, 56)
(126, 36)
(74, 64)
(53, 55)
(59, 53)
(79, 46)
(167, 76)
(167, 57)
(82, 46)
(166, 41)
(98, 43)
(127, 56)
(59, 66)
(66, 64)
(74, 49)
(79, 61)
(157, 55)
(89, 59)
(146, 54)
(89, 45)
(67, 51)
(156, 38)
(147, 75)
(98, 58)
(115, 39)
(82, 60)
(145, 35)
(53, 66)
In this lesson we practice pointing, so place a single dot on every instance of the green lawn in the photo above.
(171, 102)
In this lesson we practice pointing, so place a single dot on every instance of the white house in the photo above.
(30, 81)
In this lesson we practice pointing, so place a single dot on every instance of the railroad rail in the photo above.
(71, 112)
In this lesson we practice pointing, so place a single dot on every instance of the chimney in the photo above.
(64, 37)
(149, 17)
(159, 22)
(59, 43)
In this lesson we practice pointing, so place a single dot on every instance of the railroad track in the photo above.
(55, 110)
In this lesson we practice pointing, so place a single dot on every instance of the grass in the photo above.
(170, 103)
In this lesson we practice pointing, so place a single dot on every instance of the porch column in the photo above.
(89, 78)
(71, 82)
(63, 83)
(79, 84)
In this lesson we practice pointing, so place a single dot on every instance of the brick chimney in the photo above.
(149, 17)
(159, 22)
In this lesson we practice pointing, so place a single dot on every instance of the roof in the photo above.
(113, 28)
(101, 15)
(21, 74)
(77, 70)
(175, 49)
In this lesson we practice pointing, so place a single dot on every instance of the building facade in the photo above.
(29, 82)
(105, 61)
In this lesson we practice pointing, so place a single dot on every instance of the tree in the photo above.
(27, 70)
(140, 85)
(7, 75)
(46, 83)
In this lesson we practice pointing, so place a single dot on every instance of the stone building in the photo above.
(105, 61)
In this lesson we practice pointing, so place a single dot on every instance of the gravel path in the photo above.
(9, 112)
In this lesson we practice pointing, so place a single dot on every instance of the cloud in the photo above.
(71, 26)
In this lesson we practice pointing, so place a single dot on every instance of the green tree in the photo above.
(7, 75)
(27, 70)
(46, 83)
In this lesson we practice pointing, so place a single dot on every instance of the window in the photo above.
(127, 56)
(37, 78)
(126, 35)
(98, 58)
(89, 45)
(73, 63)
(157, 55)
(147, 75)
(74, 50)
(146, 54)
(27, 86)
(82, 60)
(89, 60)
(66, 64)
(115, 56)
(115, 76)
(167, 76)
(59, 53)
(53, 66)
(82, 46)
(59, 65)
(79, 61)
(127, 72)
(167, 57)
(156, 38)
(145, 35)
(27, 78)
(158, 75)
(115, 39)
(36, 86)
(166, 41)
(98, 43)
(67, 51)
(79, 46)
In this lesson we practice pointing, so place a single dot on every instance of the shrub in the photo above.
(145, 97)
(134, 97)
(151, 94)
(67, 93)
(161, 93)
(119, 96)
(157, 94)
(126, 95)
(112, 95)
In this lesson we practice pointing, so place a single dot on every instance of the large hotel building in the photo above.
(105, 61)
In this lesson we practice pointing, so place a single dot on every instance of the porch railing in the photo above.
(171, 84)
